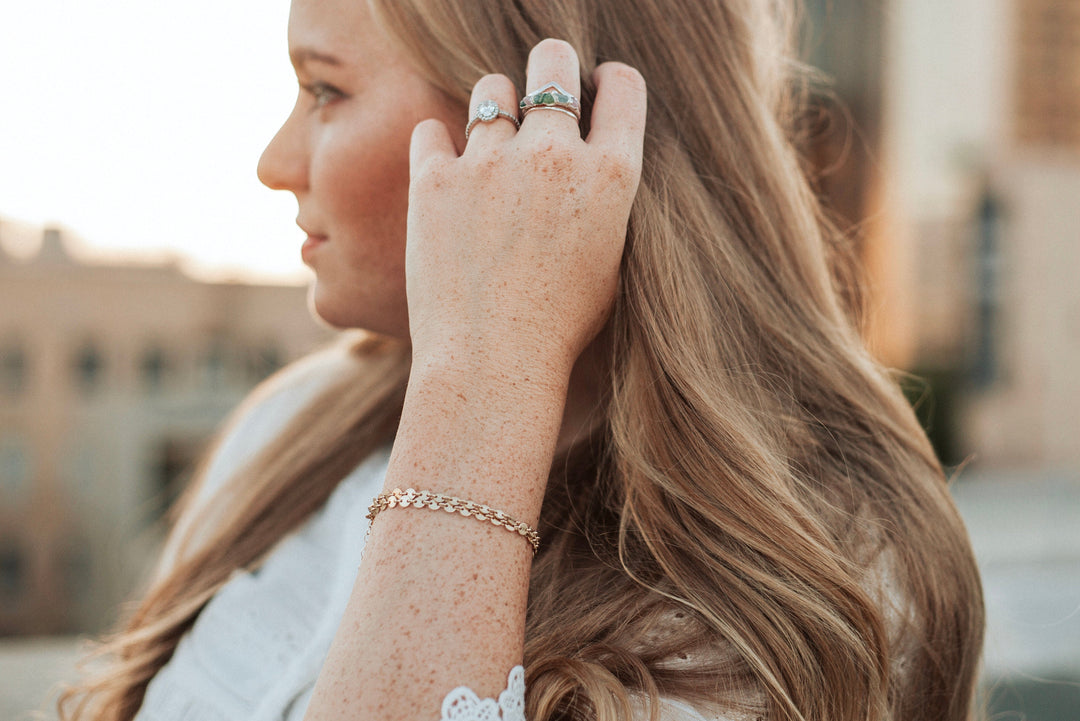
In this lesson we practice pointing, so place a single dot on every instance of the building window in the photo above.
(75, 569)
(263, 361)
(215, 364)
(153, 368)
(171, 465)
(14, 468)
(985, 369)
(1048, 73)
(13, 369)
(89, 368)
(12, 574)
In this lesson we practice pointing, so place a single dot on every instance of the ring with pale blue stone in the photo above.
(486, 112)
(551, 97)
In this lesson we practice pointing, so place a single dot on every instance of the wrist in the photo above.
(493, 374)
(480, 431)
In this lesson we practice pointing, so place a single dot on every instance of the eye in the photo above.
(322, 93)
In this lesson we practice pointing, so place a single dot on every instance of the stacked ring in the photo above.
(486, 112)
(551, 97)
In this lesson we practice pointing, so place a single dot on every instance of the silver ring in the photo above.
(551, 97)
(486, 112)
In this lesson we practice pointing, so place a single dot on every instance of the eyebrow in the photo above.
(304, 55)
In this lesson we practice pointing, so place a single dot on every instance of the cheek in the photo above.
(359, 189)
(361, 176)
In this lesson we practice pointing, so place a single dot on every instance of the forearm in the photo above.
(440, 599)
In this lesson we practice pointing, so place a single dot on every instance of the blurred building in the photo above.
(983, 141)
(955, 147)
(112, 379)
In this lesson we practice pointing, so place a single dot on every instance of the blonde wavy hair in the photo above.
(760, 525)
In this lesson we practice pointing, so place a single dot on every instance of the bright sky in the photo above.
(137, 126)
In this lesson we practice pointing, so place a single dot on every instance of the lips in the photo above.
(310, 247)
(311, 243)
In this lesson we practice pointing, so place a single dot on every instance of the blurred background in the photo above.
(147, 282)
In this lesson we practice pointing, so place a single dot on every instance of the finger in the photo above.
(618, 113)
(500, 89)
(430, 140)
(553, 61)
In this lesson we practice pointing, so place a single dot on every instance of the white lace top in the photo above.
(256, 649)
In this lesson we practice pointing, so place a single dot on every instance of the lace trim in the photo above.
(462, 704)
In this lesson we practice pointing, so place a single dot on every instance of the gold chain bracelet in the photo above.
(435, 501)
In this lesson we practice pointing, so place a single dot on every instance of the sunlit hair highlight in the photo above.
(760, 527)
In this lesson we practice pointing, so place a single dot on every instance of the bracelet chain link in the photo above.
(450, 504)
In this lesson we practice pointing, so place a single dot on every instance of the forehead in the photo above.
(342, 28)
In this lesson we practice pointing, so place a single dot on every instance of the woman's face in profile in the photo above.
(344, 153)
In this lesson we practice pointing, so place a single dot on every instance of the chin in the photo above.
(341, 314)
(330, 310)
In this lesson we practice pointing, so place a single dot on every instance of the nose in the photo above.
(284, 163)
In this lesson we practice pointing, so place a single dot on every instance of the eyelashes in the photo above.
(322, 93)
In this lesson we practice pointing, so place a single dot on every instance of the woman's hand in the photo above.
(512, 265)
(514, 247)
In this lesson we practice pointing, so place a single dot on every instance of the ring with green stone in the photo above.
(551, 97)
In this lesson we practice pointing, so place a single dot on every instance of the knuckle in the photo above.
(553, 150)
(619, 167)
(487, 167)
(620, 161)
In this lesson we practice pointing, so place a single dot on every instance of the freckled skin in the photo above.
(347, 163)
(500, 310)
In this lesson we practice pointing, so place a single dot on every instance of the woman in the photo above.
(639, 338)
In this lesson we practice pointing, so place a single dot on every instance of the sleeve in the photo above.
(462, 704)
